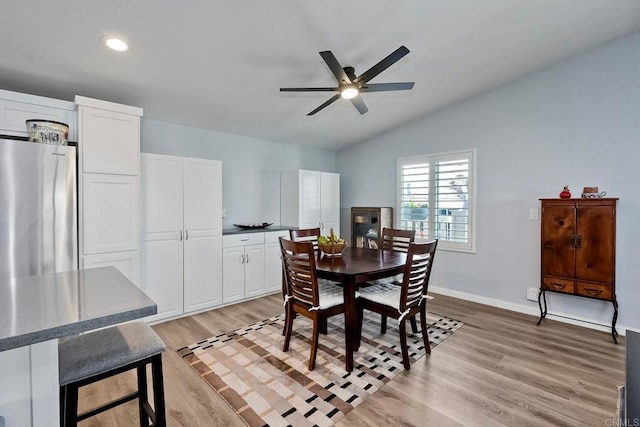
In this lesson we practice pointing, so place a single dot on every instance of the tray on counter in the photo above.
(253, 226)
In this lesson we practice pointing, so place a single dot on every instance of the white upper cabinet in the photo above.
(310, 199)
(203, 197)
(16, 108)
(114, 141)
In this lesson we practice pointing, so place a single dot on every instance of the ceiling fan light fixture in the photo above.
(349, 92)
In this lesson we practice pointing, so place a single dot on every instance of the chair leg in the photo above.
(323, 326)
(360, 321)
(383, 324)
(425, 334)
(71, 406)
(143, 396)
(414, 325)
(284, 328)
(403, 344)
(314, 344)
(288, 326)
(158, 391)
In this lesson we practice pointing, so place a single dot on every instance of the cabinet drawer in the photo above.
(274, 236)
(558, 285)
(242, 239)
(594, 290)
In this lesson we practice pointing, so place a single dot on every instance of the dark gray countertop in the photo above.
(40, 308)
(236, 230)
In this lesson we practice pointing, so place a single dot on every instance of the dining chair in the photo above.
(309, 235)
(405, 301)
(305, 295)
(394, 239)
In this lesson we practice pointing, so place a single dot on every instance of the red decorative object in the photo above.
(565, 193)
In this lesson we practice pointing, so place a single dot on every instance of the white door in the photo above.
(330, 203)
(163, 235)
(111, 213)
(253, 270)
(110, 141)
(309, 197)
(273, 261)
(202, 234)
(233, 274)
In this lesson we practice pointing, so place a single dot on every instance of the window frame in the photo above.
(431, 159)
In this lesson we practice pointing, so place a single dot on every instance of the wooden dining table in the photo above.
(351, 269)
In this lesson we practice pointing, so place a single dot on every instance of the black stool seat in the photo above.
(97, 355)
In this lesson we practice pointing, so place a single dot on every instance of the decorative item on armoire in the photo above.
(592, 193)
(565, 193)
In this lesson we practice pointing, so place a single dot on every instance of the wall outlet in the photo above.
(533, 214)
(532, 294)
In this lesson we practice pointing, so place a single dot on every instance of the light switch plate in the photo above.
(533, 214)
(532, 294)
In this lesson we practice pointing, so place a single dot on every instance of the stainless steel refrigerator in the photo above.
(38, 220)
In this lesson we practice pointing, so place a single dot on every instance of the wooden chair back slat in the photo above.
(397, 240)
(298, 263)
(306, 235)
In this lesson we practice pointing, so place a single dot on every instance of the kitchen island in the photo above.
(35, 312)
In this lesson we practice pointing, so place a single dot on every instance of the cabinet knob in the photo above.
(186, 234)
(180, 239)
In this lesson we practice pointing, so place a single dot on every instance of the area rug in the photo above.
(267, 387)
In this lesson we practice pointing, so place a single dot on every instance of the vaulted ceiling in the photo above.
(219, 65)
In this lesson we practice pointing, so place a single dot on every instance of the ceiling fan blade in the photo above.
(329, 102)
(359, 104)
(309, 89)
(382, 65)
(335, 67)
(383, 87)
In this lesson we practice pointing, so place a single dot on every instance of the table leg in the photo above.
(613, 322)
(350, 320)
(543, 314)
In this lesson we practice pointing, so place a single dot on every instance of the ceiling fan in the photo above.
(351, 86)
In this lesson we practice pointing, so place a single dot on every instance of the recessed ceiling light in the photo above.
(115, 43)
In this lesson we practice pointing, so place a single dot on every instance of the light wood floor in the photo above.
(499, 369)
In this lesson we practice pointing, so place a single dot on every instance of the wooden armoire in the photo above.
(578, 250)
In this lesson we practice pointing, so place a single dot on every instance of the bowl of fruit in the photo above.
(331, 245)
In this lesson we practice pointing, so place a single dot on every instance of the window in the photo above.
(436, 197)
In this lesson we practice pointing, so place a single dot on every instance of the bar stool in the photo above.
(101, 354)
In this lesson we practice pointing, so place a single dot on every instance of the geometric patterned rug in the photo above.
(267, 387)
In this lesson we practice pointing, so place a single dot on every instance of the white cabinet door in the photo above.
(162, 256)
(202, 233)
(13, 115)
(254, 270)
(127, 262)
(110, 210)
(233, 274)
(110, 141)
(202, 272)
(330, 202)
(309, 196)
(273, 261)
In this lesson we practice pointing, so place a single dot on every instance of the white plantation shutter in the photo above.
(436, 199)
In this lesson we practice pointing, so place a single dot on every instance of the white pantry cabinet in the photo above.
(310, 199)
(182, 233)
(273, 261)
(243, 266)
(109, 185)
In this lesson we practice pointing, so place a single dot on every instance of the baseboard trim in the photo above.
(521, 308)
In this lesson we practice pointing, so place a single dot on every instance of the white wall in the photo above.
(575, 123)
(250, 167)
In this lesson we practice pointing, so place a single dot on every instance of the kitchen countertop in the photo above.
(40, 308)
(236, 230)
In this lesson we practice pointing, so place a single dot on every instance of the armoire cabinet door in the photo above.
(110, 210)
(110, 141)
(558, 227)
(594, 256)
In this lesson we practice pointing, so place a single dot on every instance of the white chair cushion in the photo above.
(383, 293)
(331, 294)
